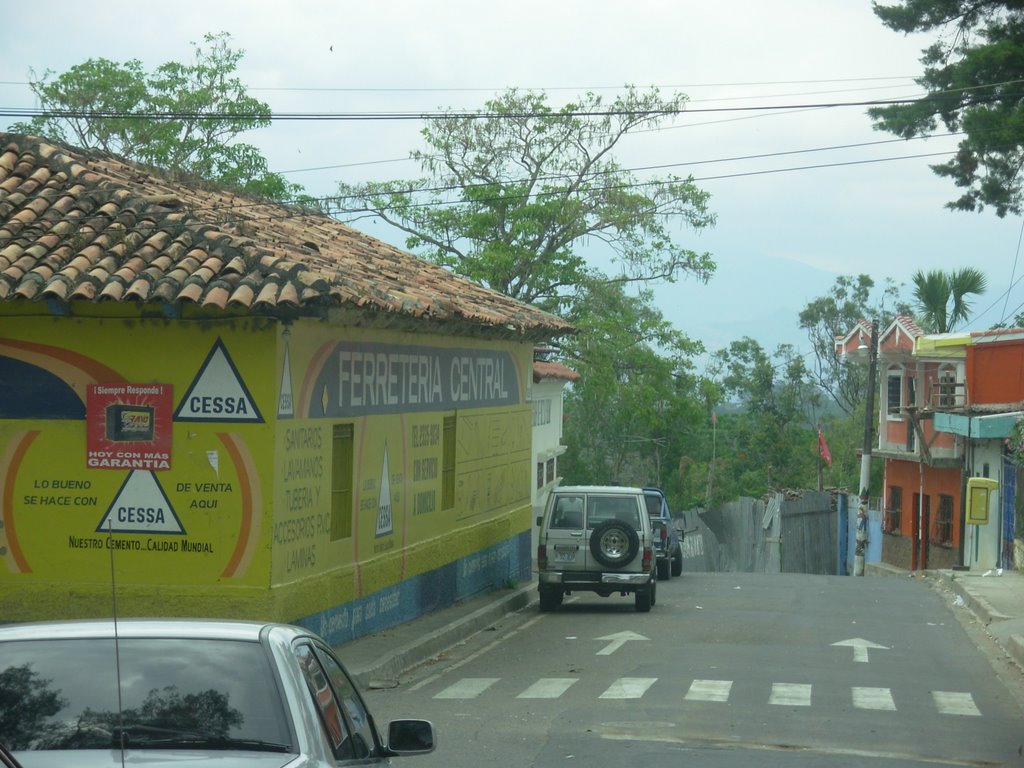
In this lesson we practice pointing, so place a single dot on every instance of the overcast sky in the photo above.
(802, 194)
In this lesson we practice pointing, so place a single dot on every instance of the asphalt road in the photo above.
(727, 669)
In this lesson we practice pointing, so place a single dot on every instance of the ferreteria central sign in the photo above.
(364, 378)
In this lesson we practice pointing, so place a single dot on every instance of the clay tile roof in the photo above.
(549, 370)
(79, 225)
(908, 322)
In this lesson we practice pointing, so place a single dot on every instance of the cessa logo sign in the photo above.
(218, 393)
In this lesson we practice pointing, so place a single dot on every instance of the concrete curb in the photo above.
(981, 607)
(1015, 647)
(883, 569)
(386, 670)
(986, 614)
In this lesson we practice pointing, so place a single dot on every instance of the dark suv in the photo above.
(667, 538)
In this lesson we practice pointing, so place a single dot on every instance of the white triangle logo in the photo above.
(385, 524)
(141, 506)
(285, 403)
(218, 393)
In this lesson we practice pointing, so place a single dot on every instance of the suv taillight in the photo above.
(542, 557)
(648, 557)
(664, 535)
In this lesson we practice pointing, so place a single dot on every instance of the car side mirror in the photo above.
(411, 737)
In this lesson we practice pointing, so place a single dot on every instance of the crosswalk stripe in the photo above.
(952, 703)
(548, 688)
(628, 688)
(791, 694)
(467, 688)
(782, 694)
(709, 690)
(873, 698)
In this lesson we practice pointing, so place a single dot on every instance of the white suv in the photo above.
(596, 539)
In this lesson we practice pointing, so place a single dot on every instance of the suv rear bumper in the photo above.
(585, 579)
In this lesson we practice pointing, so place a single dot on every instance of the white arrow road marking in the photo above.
(860, 647)
(618, 640)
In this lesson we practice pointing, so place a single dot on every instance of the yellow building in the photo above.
(221, 407)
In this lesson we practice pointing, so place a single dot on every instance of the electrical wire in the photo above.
(331, 206)
(106, 114)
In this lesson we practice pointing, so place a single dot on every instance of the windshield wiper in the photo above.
(133, 740)
(211, 742)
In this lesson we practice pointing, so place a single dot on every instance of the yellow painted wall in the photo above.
(239, 523)
(492, 472)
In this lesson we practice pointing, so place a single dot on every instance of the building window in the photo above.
(943, 533)
(893, 509)
(541, 412)
(551, 470)
(947, 389)
(342, 456)
(448, 463)
(911, 390)
(540, 474)
(894, 393)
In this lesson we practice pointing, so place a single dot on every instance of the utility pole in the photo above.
(865, 457)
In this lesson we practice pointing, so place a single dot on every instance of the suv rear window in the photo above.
(603, 508)
(568, 512)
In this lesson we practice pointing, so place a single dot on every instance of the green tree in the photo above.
(836, 314)
(628, 414)
(769, 441)
(972, 76)
(512, 192)
(184, 118)
(510, 197)
(942, 297)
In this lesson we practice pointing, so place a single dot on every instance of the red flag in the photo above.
(823, 450)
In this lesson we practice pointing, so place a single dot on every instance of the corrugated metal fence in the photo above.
(780, 535)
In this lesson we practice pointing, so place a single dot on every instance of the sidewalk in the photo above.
(378, 660)
(995, 597)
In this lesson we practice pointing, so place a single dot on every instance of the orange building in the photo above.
(946, 403)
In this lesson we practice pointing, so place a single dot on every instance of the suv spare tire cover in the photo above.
(614, 543)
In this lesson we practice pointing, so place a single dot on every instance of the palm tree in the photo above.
(941, 297)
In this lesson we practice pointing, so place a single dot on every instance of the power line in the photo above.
(761, 156)
(67, 114)
(577, 88)
(330, 206)
(480, 115)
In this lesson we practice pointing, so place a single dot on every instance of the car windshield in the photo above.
(174, 693)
